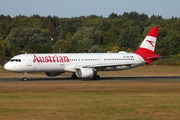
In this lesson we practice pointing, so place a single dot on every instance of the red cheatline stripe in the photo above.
(141, 51)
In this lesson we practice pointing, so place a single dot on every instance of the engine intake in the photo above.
(84, 72)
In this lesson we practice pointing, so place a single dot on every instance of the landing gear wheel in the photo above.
(24, 79)
(74, 76)
(96, 77)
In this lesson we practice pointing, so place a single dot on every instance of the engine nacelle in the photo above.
(84, 72)
(52, 74)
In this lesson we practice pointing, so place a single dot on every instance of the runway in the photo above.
(62, 79)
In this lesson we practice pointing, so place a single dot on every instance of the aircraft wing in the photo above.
(108, 65)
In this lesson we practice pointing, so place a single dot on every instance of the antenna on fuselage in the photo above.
(23, 52)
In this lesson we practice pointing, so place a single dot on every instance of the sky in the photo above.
(77, 8)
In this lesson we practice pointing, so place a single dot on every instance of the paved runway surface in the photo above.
(131, 78)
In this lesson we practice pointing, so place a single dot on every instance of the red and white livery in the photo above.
(84, 65)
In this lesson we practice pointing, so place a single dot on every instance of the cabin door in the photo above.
(29, 61)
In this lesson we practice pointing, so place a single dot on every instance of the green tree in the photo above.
(19, 38)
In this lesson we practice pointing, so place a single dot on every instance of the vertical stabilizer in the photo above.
(146, 49)
(148, 44)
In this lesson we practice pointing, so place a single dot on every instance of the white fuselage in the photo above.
(85, 65)
(55, 62)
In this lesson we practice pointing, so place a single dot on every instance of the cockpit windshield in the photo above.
(15, 60)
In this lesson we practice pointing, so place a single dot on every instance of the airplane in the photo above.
(85, 65)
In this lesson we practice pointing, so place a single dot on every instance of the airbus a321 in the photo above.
(85, 65)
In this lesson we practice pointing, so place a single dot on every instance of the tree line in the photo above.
(86, 34)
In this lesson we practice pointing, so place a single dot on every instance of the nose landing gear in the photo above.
(24, 76)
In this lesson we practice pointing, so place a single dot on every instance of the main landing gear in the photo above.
(24, 76)
(95, 76)
(74, 76)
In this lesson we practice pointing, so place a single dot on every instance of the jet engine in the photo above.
(84, 72)
(52, 74)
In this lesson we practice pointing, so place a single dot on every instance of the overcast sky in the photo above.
(76, 8)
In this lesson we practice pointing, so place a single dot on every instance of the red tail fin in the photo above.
(146, 49)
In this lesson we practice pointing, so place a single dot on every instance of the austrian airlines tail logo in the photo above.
(150, 42)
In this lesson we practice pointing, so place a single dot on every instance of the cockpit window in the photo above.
(12, 60)
(15, 60)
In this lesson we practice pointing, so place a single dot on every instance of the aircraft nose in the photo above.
(7, 66)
